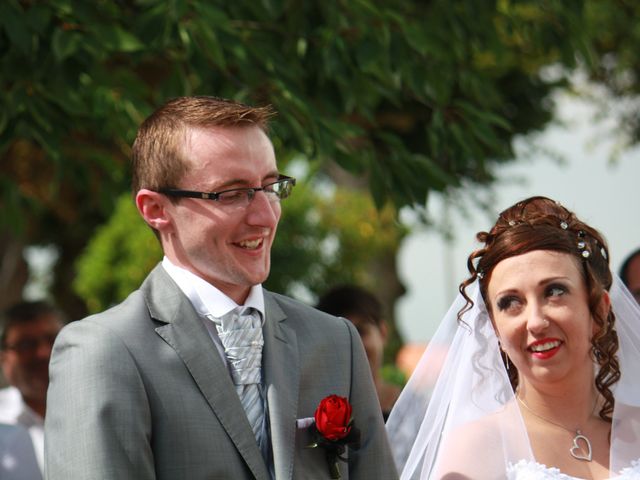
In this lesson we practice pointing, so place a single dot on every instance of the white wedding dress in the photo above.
(530, 470)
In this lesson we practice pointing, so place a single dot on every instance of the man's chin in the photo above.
(256, 276)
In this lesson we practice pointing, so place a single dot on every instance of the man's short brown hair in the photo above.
(157, 158)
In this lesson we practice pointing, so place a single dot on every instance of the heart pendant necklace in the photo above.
(581, 447)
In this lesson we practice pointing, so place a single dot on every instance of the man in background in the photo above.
(28, 332)
(364, 310)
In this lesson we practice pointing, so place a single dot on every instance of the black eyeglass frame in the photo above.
(215, 196)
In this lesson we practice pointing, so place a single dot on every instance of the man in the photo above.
(29, 329)
(630, 273)
(167, 384)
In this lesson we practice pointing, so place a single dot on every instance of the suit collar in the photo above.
(184, 331)
(164, 299)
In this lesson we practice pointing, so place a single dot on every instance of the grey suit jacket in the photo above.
(140, 392)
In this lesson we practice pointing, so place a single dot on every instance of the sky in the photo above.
(603, 193)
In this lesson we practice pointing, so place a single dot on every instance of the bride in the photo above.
(532, 374)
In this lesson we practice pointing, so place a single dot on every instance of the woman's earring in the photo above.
(503, 354)
(597, 353)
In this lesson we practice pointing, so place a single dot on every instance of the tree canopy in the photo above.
(411, 96)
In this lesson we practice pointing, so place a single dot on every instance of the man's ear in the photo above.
(384, 331)
(152, 207)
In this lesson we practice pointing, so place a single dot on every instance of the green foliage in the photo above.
(615, 63)
(392, 374)
(118, 258)
(412, 96)
(416, 96)
(329, 239)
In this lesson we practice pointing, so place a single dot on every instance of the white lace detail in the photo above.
(528, 470)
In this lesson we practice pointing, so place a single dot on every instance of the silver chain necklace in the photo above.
(580, 442)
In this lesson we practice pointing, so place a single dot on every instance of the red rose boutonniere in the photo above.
(334, 431)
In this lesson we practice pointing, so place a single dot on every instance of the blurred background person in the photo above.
(365, 311)
(630, 273)
(28, 332)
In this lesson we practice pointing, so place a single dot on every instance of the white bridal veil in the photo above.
(457, 414)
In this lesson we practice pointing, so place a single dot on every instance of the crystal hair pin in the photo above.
(582, 245)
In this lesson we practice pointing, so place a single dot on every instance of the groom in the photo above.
(202, 373)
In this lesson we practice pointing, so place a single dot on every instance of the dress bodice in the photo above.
(529, 470)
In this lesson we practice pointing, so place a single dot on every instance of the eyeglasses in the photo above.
(30, 345)
(240, 197)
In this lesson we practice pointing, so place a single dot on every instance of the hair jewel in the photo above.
(480, 274)
(582, 245)
(564, 225)
(603, 252)
(512, 223)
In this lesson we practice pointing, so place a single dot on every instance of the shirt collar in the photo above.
(207, 299)
(29, 418)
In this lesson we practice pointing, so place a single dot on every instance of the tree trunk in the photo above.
(389, 289)
(383, 271)
(14, 271)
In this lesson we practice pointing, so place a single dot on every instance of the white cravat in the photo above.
(240, 331)
(213, 305)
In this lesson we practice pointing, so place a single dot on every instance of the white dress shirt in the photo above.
(208, 300)
(14, 411)
(17, 457)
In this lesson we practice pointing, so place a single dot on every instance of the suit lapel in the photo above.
(185, 333)
(281, 367)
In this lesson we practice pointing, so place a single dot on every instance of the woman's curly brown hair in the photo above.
(539, 223)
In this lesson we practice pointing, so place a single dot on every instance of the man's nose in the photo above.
(262, 211)
(44, 347)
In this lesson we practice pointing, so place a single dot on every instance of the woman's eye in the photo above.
(505, 303)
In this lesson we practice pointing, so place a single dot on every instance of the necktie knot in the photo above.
(240, 332)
